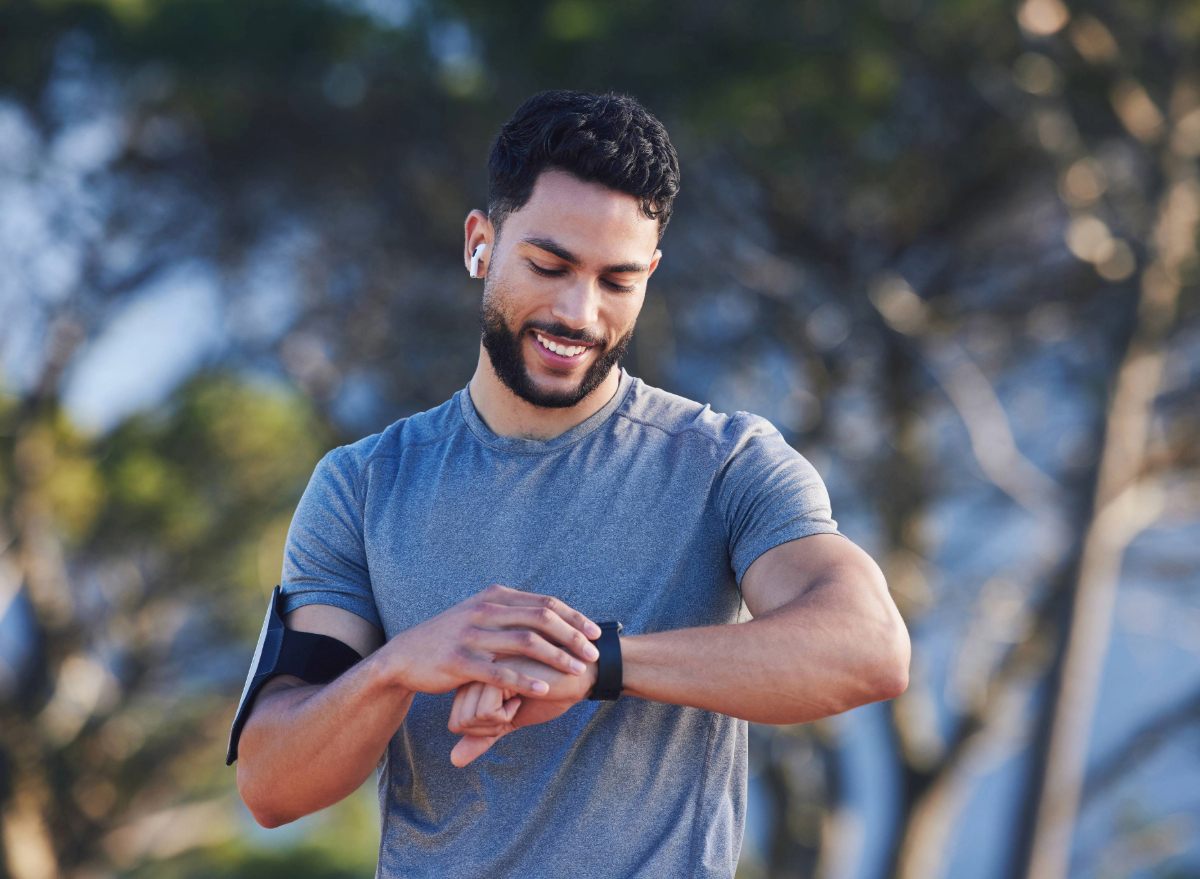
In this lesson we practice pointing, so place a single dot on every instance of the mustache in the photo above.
(565, 332)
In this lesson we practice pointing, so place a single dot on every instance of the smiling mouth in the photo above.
(567, 352)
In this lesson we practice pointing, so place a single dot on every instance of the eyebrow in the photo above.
(553, 247)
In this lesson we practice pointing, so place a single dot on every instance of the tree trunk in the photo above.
(1127, 501)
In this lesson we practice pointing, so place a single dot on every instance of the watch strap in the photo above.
(608, 667)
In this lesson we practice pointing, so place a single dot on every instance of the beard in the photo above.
(506, 351)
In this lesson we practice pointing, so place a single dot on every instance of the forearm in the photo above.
(812, 657)
(335, 733)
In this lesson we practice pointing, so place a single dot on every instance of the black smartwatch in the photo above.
(608, 667)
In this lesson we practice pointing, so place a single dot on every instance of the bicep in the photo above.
(321, 619)
(336, 622)
(791, 569)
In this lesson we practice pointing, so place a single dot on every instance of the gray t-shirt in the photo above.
(648, 512)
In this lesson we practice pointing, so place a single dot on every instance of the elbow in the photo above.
(879, 669)
(265, 819)
(270, 822)
(260, 809)
(892, 682)
(891, 651)
(890, 666)
(263, 814)
(268, 819)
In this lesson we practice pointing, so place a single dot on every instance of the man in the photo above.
(469, 551)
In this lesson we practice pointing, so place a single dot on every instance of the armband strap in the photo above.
(315, 659)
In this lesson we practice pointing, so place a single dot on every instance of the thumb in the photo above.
(510, 707)
(470, 747)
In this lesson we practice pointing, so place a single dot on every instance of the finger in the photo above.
(491, 705)
(492, 724)
(507, 678)
(470, 707)
(541, 619)
(515, 597)
(478, 728)
(456, 710)
(510, 708)
(458, 715)
(470, 747)
(526, 642)
(495, 723)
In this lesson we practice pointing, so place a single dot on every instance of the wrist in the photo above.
(389, 670)
(589, 679)
(609, 683)
(632, 665)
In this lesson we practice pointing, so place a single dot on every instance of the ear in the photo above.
(478, 230)
(654, 263)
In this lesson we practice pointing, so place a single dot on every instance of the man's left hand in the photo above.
(482, 713)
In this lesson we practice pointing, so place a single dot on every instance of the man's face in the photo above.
(569, 271)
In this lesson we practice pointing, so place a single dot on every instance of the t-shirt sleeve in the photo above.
(769, 493)
(325, 561)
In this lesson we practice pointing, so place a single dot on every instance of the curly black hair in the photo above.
(609, 139)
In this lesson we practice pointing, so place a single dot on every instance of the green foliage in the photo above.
(846, 132)
(228, 451)
(341, 841)
(234, 863)
(160, 514)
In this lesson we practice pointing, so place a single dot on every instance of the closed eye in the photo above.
(546, 272)
(556, 273)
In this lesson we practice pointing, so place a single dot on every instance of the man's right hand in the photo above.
(458, 645)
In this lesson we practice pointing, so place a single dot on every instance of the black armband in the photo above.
(315, 659)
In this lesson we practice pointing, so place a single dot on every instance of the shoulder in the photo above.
(674, 415)
(355, 459)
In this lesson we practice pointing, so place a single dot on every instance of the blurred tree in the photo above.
(948, 247)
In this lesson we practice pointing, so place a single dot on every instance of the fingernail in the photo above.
(592, 653)
(541, 687)
(576, 666)
(593, 631)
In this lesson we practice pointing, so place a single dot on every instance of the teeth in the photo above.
(563, 350)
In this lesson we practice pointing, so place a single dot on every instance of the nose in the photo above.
(578, 305)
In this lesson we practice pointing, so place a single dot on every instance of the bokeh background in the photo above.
(948, 247)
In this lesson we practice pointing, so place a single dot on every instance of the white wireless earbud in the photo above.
(475, 260)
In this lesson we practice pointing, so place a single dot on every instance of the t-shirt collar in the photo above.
(521, 446)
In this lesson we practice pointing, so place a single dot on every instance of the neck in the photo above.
(506, 414)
